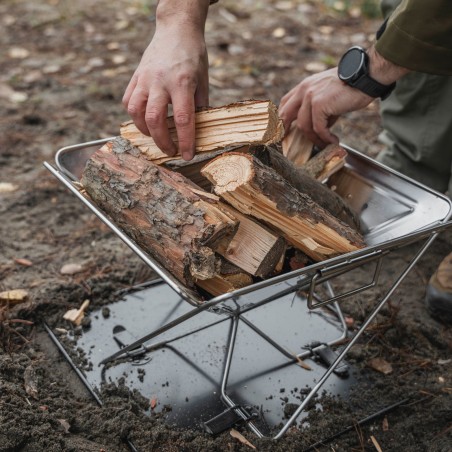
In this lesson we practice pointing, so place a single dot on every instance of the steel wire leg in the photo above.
(341, 356)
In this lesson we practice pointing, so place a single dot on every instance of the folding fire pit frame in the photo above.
(396, 211)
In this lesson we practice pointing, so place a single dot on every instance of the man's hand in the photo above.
(317, 102)
(173, 70)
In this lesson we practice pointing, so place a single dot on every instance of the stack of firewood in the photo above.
(234, 214)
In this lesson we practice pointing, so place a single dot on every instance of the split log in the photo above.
(192, 169)
(165, 213)
(228, 278)
(248, 122)
(254, 248)
(257, 190)
(296, 147)
(325, 163)
(302, 181)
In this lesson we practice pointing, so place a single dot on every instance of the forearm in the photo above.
(383, 70)
(190, 14)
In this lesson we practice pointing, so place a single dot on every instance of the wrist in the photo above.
(383, 70)
(190, 14)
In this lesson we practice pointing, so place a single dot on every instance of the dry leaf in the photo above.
(118, 59)
(113, 45)
(18, 53)
(65, 424)
(153, 403)
(14, 296)
(71, 269)
(279, 32)
(380, 365)
(385, 424)
(284, 5)
(315, 66)
(76, 315)
(7, 187)
(235, 434)
(22, 261)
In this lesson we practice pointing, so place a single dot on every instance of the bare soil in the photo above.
(65, 66)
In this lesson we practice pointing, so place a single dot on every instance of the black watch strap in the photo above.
(372, 88)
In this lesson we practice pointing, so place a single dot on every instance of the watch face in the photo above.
(351, 64)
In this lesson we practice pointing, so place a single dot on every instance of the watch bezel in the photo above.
(360, 68)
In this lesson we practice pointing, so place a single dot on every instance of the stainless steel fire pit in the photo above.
(395, 211)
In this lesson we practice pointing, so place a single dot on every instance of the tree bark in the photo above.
(165, 213)
(304, 183)
(228, 278)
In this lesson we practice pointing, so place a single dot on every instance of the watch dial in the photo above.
(351, 63)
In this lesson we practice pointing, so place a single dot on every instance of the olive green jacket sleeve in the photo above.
(418, 36)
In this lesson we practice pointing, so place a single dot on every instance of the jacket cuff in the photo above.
(406, 51)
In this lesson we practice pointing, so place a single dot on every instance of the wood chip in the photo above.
(71, 269)
(235, 434)
(380, 365)
(385, 424)
(76, 315)
(14, 296)
(375, 443)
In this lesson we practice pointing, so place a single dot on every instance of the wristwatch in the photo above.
(353, 69)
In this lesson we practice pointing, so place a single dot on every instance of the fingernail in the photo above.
(187, 155)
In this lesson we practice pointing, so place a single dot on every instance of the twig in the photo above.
(359, 423)
(375, 443)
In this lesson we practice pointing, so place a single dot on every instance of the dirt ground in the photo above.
(64, 68)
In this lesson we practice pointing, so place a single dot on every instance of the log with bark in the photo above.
(304, 183)
(248, 122)
(326, 162)
(170, 217)
(257, 190)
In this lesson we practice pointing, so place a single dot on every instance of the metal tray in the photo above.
(394, 211)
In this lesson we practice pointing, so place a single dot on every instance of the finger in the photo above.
(287, 96)
(321, 124)
(156, 123)
(136, 108)
(289, 112)
(129, 90)
(305, 121)
(184, 120)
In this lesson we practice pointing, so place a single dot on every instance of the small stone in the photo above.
(105, 312)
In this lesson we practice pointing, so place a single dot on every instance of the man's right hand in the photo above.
(173, 70)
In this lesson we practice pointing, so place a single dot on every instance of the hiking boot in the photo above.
(439, 292)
